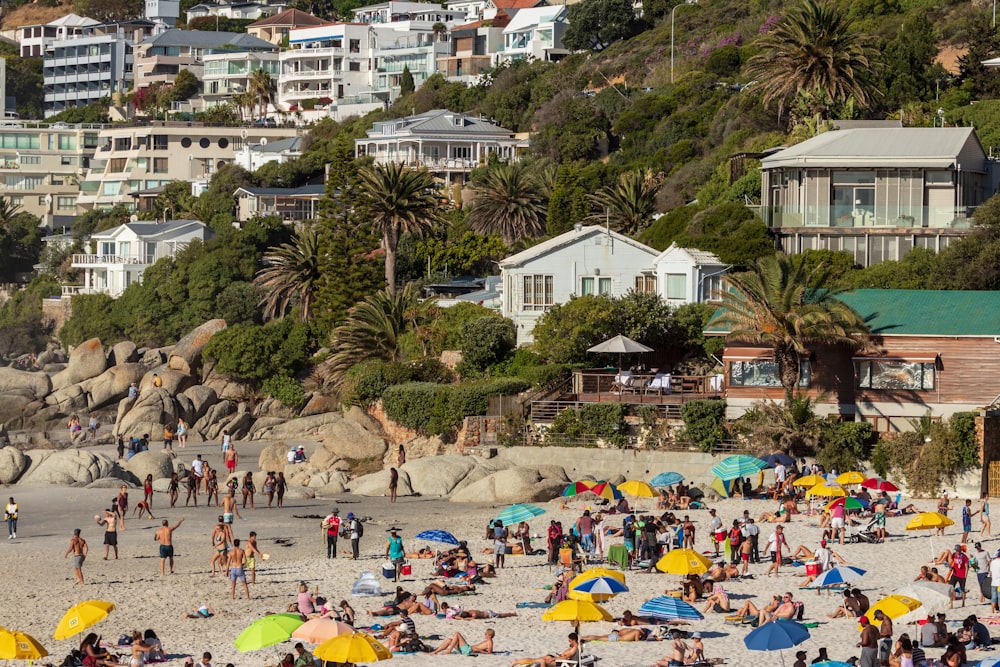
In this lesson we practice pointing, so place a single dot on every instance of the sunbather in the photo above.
(472, 614)
(749, 609)
(717, 600)
(448, 589)
(458, 644)
(571, 653)
(621, 635)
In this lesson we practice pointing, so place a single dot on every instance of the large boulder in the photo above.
(237, 425)
(22, 383)
(225, 386)
(351, 440)
(318, 404)
(158, 464)
(437, 476)
(69, 399)
(14, 409)
(186, 355)
(12, 464)
(513, 485)
(377, 484)
(273, 457)
(215, 415)
(112, 385)
(124, 352)
(71, 467)
(86, 361)
(153, 408)
(170, 380)
(298, 429)
(202, 398)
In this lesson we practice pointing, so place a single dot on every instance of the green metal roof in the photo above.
(896, 312)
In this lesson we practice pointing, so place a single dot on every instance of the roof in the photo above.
(291, 144)
(525, 18)
(852, 124)
(73, 20)
(439, 121)
(501, 20)
(292, 17)
(153, 228)
(567, 239)
(695, 256)
(517, 4)
(894, 312)
(303, 191)
(207, 39)
(867, 147)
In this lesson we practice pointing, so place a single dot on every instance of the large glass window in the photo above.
(538, 292)
(764, 373)
(896, 374)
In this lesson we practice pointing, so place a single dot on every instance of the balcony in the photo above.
(309, 75)
(306, 52)
(105, 260)
(73, 290)
(867, 218)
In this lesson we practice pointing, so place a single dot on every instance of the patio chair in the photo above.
(623, 381)
(660, 384)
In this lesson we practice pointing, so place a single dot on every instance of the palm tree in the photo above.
(813, 49)
(244, 103)
(628, 204)
(263, 88)
(292, 269)
(399, 201)
(8, 210)
(780, 302)
(374, 329)
(509, 203)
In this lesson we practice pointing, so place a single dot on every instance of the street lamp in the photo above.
(676, 7)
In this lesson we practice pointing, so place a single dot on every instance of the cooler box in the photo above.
(406, 570)
(720, 536)
(812, 569)
(388, 570)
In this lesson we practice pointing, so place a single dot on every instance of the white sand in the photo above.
(38, 583)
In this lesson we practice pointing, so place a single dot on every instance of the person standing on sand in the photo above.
(122, 501)
(249, 489)
(165, 536)
(229, 508)
(393, 483)
(279, 488)
(220, 547)
(354, 533)
(198, 470)
(10, 516)
(401, 457)
(253, 553)
(232, 458)
(172, 488)
(77, 547)
(110, 533)
(191, 483)
(984, 515)
(331, 525)
(234, 563)
(775, 543)
(182, 433)
(395, 553)
(227, 441)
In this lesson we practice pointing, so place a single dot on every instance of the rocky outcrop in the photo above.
(157, 464)
(86, 361)
(153, 408)
(377, 485)
(186, 354)
(318, 404)
(12, 465)
(124, 352)
(71, 467)
(172, 381)
(22, 383)
(514, 485)
(112, 385)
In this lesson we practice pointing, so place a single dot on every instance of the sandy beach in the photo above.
(38, 582)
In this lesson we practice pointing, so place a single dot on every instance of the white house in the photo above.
(254, 156)
(586, 260)
(686, 275)
(535, 33)
(125, 252)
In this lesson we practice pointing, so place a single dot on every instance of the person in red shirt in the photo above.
(332, 526)
(958, 572)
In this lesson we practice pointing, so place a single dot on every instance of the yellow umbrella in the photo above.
(929, 520)
(355, 647)
(81, 616)
(576, 611)
(850, 478)
(637, 489)
(595, 572)
(684, 562)
(809, 481)
(19, 646)
(892, 606)
(826, 491)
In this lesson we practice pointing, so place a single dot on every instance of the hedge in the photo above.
(366, 382)
(439, 408)
(703, 422)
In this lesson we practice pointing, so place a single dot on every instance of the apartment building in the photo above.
(41, 167)
(535, 34)
(394, 11)
(276, 29)
(93, 63)
(324, 66)
(472, 48)
(237, 10)
(130, 159)
(228, 73)
(32, 39)
(416, 45)
(160, 57)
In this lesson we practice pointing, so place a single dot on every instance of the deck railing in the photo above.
(661, 384)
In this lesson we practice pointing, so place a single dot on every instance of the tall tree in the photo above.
(406, 84)
(984, 44)
(909, 59)
(814, 48)
(398, 200)
(596, 24)
(263, 88)
(628, 204)
(783, 304)
(291, 270)
(509, 203)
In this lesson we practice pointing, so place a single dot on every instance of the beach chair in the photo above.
(623, 382)
(660, 384)
(585, 660)
(566, 560)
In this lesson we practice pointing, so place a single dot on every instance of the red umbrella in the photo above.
(879, 484)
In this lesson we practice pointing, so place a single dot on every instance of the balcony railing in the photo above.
(73, 290)
(429, 162)
(867, 217)
(94, 260)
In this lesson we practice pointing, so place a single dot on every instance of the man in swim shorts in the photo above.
(229, 508)
(165, 536)
(110, 533)
(78, 547)
(231, 458)
(234, 563)
(458, 644)
(220, 546)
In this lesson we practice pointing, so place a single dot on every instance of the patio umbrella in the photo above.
(519, 513)
(576, 488)
(597, 589)
(319, 630)
(667, 608)
(838, 575)
(16, 645)
(849, 503)
(576, 612)
(81, 616)
(776, 636)
(989, 662)
(809, 481)
(850, 478)
(607, 490)
(933, 596)
(828, 490)
(879, 484)
(619, 345)
(442, 536)
(683, 562)
(267, 631)
(740, 465)
(892, 606)
(355, 647)
(593, 572)
(928, 520)
(774, 459)
(667, 479)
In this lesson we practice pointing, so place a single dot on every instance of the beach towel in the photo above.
(533, 605)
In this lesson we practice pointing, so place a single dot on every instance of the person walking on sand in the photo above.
(220, 547)
(10, 516)
(182, 433)
(229, 508)
(249, 489)
(967, 515)
(253, 553)
(331, 526)
(395, 553)
(235, 564)
(110, 533)
(775, 543)
(165, 536)
(984, 515)
(173, 488)
(191, 484)
(122, 501)
(232, 459)
(279, 488)
(227, 441)
(198, 470)
(78, 547)
(393, 484)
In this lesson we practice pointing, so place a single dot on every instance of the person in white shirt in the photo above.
(10, 516)
(780, 473)
(714, 526)
(982, 567)
(995, 582)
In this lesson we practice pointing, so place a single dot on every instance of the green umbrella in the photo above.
(272, 629)
(740, 465)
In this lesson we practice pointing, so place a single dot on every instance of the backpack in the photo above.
(361, 528)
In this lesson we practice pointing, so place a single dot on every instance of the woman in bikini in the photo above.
(139, 650)
(122, 502)
(147, 491)
(212, 486)
(248, 489)
(279, 488)
(269, 488)
(172, 488)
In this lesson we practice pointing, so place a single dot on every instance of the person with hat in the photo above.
(331, 524)
(868, 643)
(958, 572)
(800, 659)
(354, 531)
(394, 552)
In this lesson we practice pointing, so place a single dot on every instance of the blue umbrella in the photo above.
(669, 609)
(740, 465)
(832, 663)
(838, 575)
(601, 586)
(519, 513)
(667, 479)
(989, 662)
(442, 536)
(773, 460)
(776, 636)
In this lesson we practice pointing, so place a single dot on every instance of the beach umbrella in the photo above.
(667, 608)
(831, 663)
(319, 630)
(81, 616)
(776, 636)
(577, 612)
(933, 596)
(597, 572)
(519, 513)
(850, 478)
(683, 562)
(988, 662)
(667, 479)
(576, 488)
(619, 345)
(16, 645)
(353, 647)
(829, 490)
(267, 631)
(442, 536)
(879, 484)
(607, 490)
(838, 575)
(596, 589)
(849, 503)
(725, 488)
(637, 489)
(892, 606)
(740, 465)
(772, 460)
(809, 481)
(928, 521)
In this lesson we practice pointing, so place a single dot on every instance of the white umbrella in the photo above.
(935, 597)
(619, 345)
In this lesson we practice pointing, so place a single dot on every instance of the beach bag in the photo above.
(361, 528)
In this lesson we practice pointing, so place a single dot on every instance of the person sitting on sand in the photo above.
(722, 571)
(204, 611)
(458, 644)
(750, 609)
(925, 574)
(621, 635)
(851, 607)
(156, 652)
(692, 588)
(678, 655)
(570, 654)
(423, 553)
(936, 576)
(785, 610)
(93, 654)
(717, 600)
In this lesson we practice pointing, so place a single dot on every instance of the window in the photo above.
(895, 374)
(538, 292)
(186, 142)
(67, 142)
(159, 165)
(31, 159)
(204, 142)
(116, 165)
(123, 143)
(764, 373)
(645, 284)
(461, 152)
(354, 66)
(66, 203)
(587, 284)
(160, 142)
(354, 45)
(67, 161)
(676, 286)
(107, 248)
(711, 287)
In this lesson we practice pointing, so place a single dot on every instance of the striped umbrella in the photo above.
(576, 488)
(740, 465)
(519, 513)
(849, 503)
(607, 490)
(838, 575)
(667, 479)
(669, 608)
(597, 589)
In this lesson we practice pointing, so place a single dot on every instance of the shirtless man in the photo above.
(229, 508)
(570, 653)
(234, 565)
(253, 553)
(231, 458)
(220, 547)
(77, 547)
(785, 610)
(110, 533)
(680, 651)
(165, 536)
(458, 644)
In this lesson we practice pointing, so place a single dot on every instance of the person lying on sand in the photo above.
(472, 614)
(622, 635)
(204, 611)
(423, 553)
(458, 644)
(550, 660)
(447, 589)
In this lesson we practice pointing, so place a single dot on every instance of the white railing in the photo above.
(73, 290)
(91, 260)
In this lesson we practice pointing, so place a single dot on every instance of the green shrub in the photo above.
(606, 421)
(845, 445)
(485, 341)
(439, 409)
(567, 423)
(540, 376)
(964, 425)
(254, 353)
(286, 390)
(366, 382)
(704, 422)
(411, 404)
